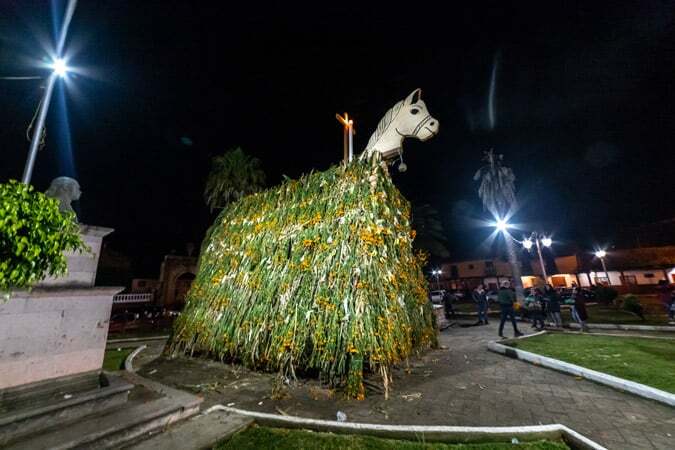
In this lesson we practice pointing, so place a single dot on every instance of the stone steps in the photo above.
(153, 409)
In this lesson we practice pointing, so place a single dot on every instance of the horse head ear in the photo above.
(414, 97)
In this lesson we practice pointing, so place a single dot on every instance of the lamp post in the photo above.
(437, 273)
(539, 240)
(601, 254)
(59, 70)
(348, 133)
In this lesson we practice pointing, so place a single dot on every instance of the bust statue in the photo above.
(65, 190)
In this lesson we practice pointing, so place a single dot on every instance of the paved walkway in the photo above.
(459, 384)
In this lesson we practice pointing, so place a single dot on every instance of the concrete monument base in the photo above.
(53, 332)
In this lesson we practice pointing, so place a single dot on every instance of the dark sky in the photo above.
(585, 106)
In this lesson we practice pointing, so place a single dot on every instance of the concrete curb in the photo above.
(139, 339)
(435, 433)
(621, 384)
(613, 326)
(129, 362)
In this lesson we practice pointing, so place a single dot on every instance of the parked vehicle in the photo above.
(437, 296)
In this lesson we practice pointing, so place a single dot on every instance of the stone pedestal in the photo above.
(81, 266)
(52, 333)
(59, 328)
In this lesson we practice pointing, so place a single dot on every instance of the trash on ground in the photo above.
(411, 397)
(341, 417)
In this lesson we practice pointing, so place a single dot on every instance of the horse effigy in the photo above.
(317, 275)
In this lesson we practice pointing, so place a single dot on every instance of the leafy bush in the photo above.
(631, 303)
(605, 294)
(33, 236)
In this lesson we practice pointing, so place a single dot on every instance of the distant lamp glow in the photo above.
(527, 244)
(546, 242)
(501, 225)
(601, 253)
(60, 68)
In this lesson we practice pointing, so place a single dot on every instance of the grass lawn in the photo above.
(114, 358)
(255, 438)
(646, 361)
(604, 314)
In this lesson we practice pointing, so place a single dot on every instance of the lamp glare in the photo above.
(546, 242)
(60, 68)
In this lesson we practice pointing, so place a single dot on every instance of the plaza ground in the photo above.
(461, 383)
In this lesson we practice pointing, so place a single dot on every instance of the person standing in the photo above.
(480, 297)
(553, 304)
(579, 312)
(506, 298)
(666, 297)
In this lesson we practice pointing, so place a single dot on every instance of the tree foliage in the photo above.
(233, 175)
(497, 191)
(429, 228)
(497, 188)
(33, 236)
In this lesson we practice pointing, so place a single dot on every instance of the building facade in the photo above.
(634, 269)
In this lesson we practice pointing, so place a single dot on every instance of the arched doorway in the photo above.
(182, 286)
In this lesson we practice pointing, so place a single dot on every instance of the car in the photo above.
(437, 296)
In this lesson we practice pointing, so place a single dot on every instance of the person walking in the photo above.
(552, 299)
(480, 297)
(579, 312)
(506, 298)
(534, 304)
(666, 298)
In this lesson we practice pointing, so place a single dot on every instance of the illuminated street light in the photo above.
(601, 254)
(437, 273)
(502, 225)
(60, 67)
(545, 241)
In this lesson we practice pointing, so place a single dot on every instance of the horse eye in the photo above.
(414, 111)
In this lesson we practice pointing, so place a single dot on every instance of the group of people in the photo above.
(538, 306)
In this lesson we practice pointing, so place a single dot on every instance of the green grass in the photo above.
(646, 361)
(256, 438)
(114, 358)
(604, 314)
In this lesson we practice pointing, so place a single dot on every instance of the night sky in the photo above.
(585, 106)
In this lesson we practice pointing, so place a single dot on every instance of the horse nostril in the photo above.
(432, 123)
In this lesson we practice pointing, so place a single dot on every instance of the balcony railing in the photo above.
(133, 298)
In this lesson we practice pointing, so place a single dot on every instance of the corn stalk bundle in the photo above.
(316, 275)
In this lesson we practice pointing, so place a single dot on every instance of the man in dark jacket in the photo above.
(506, 298)
(579, 312)
(480, 297)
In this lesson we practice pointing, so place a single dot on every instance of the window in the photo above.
(559, 281)
(601, 281)
(470, 266)
(629, 279)
(649, 275)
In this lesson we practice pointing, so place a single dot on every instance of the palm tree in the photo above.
(234, 174)
(497, 191)
(429, 228)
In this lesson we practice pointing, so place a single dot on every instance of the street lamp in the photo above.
(538, 239)
(437, 273)
(601, 254)
(59, 70)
